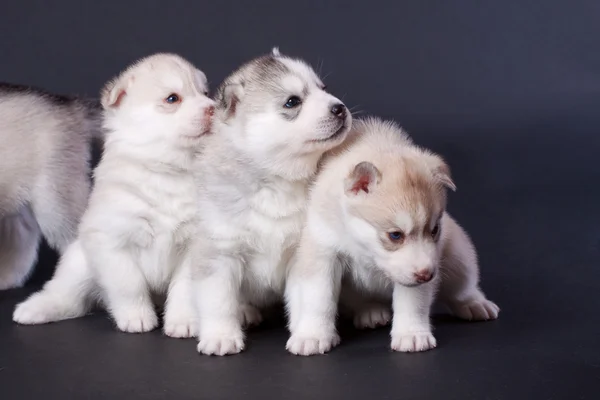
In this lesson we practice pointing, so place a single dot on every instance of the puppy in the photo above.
(273, 122)
(376, 221)
(134, 237)
(44, 173)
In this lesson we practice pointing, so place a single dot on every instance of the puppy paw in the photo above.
(301, 345)
(250, 315)
(136, 320)
(372, 315)
(412, 342)
(41, 308)
(32, 312)
(478, 310)
(181, 328)
(221, 345)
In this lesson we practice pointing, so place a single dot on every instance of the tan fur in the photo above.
(379, 186)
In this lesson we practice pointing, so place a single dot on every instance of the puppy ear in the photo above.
(441, 171)
(275, 52)
(231, 95)
(114, 91)
(363, 178)
(201, 78)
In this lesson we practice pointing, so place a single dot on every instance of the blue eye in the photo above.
(173, 98)
(292, 102)
(396, 236)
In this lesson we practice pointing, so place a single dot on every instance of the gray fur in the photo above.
(44, 173)
(260, 80)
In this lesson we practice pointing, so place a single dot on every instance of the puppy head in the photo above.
(282, 114)
(159, 99)
(395, 211)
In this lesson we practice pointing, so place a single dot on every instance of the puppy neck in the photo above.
(292, 168)
(156, 155)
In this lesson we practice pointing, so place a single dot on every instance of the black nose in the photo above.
(339, 110)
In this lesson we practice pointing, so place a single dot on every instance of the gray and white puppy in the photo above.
(44, 173)
(273, 122)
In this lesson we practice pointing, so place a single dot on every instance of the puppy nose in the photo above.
(209, 111)
(424, 275)
(339, 110)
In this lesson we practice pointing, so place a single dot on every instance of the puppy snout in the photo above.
(424, 275)
(339, 110)
(209, 111)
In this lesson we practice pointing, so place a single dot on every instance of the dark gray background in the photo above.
(508, 92)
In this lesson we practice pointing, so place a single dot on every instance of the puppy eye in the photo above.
(435, 230)
(206, 93)
(324, 87)
(173, 98)
(292, 102)
(396, 236)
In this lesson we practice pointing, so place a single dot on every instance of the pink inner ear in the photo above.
(118, 98)
(362, 183)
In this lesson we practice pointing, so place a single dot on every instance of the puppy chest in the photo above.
(365, 276)
(175, 217)
(276, 216)
(271, 246)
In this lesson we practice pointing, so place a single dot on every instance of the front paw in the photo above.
(476, 310)
(306, 345)
(38, 309)
(221, 345)
(409, 342)
(372, 316)
(136, 320)
(249, 315)
(181, 328)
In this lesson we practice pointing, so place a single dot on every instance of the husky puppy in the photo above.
(377, 222)
(273, 122)
(44, 173)
(133, 238)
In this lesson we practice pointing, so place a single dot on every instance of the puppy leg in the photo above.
(19, 242)
(59, 210)
(249, 315)
(124, 288)
(217, 289)
(181, 317)
(66, 295)
(459, 288)
(365, 311)
(312, 292)
(411, 329)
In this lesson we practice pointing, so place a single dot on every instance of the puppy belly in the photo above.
(264, 279)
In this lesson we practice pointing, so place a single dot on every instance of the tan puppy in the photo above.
(377, 222)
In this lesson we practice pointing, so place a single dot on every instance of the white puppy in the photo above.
(134, 237)
(44, 173)
(273, 122)
(377, 222)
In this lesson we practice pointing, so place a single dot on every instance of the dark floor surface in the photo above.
(540, 265)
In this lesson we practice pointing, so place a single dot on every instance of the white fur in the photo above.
(134, 237)
(344, 238)
(254, 189)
